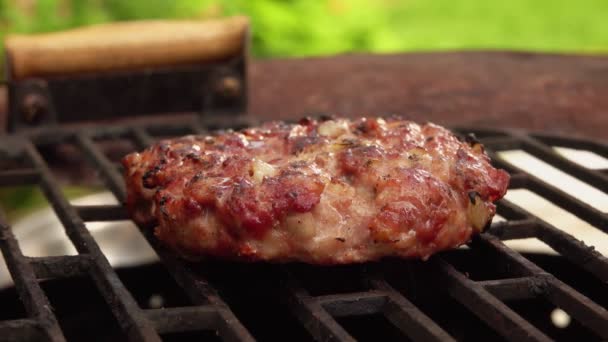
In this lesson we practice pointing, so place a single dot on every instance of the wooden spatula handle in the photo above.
(127, 45)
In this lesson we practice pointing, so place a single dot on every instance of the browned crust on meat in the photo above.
(325, 192)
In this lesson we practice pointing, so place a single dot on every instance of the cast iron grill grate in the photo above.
(382, 291)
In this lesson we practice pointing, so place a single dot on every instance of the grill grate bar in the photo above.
(122, 304)
(407, 317)
(518, 229)
(18, 177)
(109, 171)
(60, 266)
(183, 319)
(580, 307)
(511, 289)
(170, 130)
(197, 128)
(319, 323)
(489, 243)
(488, 308)
(512, 211)
(357, 303)
(569, 203)
(567, 245)
(501, 143)
(547, 154)
(23, 330)
(141, 137)
(503, 164)
(585, 310)
(200, 292)
(101, 213)
(36, 303)
(229, 327)
(198, 289)
(317, 314)
(212, 123)
(599, 148)
(575, 250)
(564, 200)
(515, 263)
(518, 180)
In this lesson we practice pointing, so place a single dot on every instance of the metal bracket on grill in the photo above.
(215, 87)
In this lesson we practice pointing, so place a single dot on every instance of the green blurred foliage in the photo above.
(320, 27)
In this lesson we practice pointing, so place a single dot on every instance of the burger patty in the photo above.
(324, 192)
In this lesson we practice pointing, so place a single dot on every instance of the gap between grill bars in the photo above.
(317, 313)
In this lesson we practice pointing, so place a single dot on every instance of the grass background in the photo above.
(286, 28)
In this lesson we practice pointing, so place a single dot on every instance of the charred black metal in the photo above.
(319, 314)
(214, 87)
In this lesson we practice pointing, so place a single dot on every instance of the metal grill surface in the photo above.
(320, 313)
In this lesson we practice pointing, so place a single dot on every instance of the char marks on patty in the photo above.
(327, 192)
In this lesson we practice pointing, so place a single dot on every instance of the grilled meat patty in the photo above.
(324, 192)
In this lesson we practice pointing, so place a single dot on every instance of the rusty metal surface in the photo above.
(537, 92)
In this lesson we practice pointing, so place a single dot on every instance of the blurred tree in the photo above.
(301, 27)
(313, 27)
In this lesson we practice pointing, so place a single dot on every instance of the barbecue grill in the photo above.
(485, 291)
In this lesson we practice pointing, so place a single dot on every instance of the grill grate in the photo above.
(318, 314)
